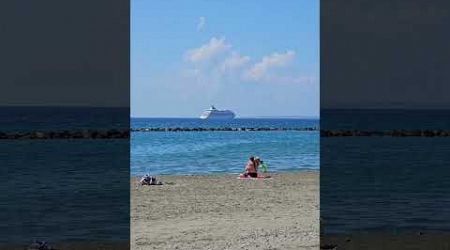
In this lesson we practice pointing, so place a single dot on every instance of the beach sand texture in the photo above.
(222, 212)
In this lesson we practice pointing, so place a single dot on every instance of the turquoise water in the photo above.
(161, 153)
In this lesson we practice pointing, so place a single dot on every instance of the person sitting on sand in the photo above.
(251, 168)
(264, 168)
(257, 162)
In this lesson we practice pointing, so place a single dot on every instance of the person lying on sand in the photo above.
(149, 180)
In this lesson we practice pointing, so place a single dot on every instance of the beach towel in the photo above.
(260, 177)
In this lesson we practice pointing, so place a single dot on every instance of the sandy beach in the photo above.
(222, 212)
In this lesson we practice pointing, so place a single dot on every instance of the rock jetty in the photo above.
(67, 134)
(391, 133)
(125, 133)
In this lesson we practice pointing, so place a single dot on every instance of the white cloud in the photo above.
(261, 70)
(216, 64)
(207, 51)
(201, 23)
(234, 61)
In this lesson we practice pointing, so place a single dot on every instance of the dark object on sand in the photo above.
(149, 180)
(327, 246)
(40, 245)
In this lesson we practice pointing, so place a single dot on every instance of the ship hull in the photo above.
(217, 115)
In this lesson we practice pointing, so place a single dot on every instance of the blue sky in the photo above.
(257, 58)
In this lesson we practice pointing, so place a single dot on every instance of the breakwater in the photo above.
(66, 134)
(125, 133)
(391, 133)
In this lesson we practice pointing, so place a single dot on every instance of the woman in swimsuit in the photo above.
(251, 168)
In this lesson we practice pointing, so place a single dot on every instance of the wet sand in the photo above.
(222, 212)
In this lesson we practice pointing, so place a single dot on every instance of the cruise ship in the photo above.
(213, 113)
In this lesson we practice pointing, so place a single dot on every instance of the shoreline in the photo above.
(222, 212)
(135, 176)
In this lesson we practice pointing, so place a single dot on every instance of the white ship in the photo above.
(213, 113)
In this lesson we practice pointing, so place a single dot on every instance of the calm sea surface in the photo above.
(64, 190)
(161, 153)
(389, 184)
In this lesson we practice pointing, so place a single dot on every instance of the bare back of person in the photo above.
(250, 168)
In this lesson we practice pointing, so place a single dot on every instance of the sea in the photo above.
(222, 152)
(64, 190)
(385, 184)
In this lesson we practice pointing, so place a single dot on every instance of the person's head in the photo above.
(252, 158)
(257, 160)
